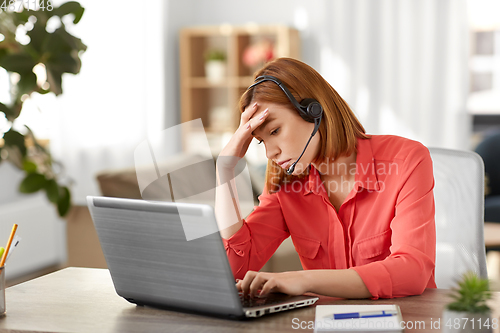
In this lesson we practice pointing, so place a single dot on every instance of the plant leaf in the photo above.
(15, 139)
(5, 109)
(15, 110)
(52, 190)
(29, 166)
(20, 18)
(63, 63)
(55, 80)
(471, 294)
(70, 7)
(27, 83)
(32, 182)
(17, 62)
(38, 35)
(64, 202)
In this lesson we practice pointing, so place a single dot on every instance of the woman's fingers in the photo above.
(247, 280)
(244, 133)
(255, 122)
(257, 283)
(268, 287)
(249, 112)
(291, 283)
(238, 145)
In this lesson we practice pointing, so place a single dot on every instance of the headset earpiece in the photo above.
(309, 109)
(312, 108)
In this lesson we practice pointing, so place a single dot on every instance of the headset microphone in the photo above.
(290, 169)
(309, 109)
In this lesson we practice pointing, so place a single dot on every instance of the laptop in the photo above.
(151, 262)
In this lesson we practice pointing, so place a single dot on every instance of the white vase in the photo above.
(215, 71)
(453, 321)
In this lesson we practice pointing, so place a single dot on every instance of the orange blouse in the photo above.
(384, 230)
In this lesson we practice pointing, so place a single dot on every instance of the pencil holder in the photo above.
(2, 291)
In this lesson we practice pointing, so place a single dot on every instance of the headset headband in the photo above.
(280, 84)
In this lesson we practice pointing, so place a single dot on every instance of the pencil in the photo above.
(11, 237)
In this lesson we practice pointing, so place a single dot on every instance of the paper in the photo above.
(326, 323)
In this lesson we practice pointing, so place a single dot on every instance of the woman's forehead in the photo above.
(263, 126)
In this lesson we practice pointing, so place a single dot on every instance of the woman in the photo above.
(359, 208)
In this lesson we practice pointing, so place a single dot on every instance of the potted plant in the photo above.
(35, 63)
(215, 66)
(469, 310)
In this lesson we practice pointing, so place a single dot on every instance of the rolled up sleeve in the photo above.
(409, 268)
(256, 241)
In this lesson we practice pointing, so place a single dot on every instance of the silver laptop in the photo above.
(152, 263)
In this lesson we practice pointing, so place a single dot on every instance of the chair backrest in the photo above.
(459, 200)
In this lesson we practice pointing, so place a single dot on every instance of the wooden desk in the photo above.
(84, 300)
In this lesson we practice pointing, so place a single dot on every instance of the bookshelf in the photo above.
(216, 101)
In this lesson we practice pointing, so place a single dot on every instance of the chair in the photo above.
(459, 200)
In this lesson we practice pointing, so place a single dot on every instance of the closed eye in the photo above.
(273, 132)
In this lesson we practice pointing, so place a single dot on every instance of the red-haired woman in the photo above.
(359, 208)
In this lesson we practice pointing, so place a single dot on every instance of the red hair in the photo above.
(339, 129)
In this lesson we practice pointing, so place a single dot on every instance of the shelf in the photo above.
(227, 82)
(202, 82)
(216, 102)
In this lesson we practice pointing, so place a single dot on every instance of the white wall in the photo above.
(401, 65)
(118, 98)
(304, 15)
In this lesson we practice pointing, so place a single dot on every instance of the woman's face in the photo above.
(284, 134)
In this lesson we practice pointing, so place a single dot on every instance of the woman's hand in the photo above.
(291, 283)
(250, 120)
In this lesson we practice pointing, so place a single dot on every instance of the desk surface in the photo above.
(84, 300)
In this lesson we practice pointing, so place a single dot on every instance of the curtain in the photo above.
(117, 100)
(402, 65)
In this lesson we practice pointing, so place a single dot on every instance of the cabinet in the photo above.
(215, 101)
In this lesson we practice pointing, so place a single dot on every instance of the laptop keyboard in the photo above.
(248, 301)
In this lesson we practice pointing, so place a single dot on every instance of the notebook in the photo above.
(152, 263)
(325, 321)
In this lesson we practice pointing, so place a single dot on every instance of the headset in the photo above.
(309, 109)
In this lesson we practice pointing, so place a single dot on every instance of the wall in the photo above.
(401, 65)
(179, 14)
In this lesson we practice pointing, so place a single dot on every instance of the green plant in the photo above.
(471, 294)
(216, 55)
(54, 53)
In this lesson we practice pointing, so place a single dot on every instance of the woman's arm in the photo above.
(344, 283)
(409, 268)
(227, 209)
(260, 235)
(249, 243)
